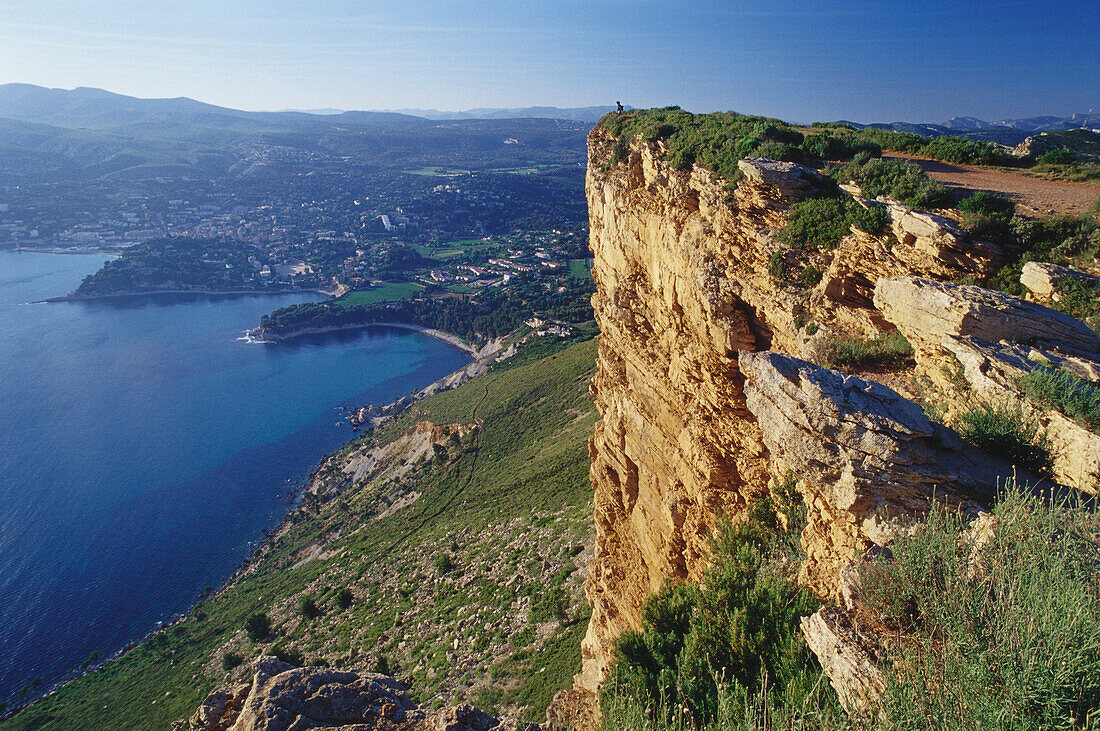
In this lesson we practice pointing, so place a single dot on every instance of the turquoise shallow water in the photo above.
(143, 448)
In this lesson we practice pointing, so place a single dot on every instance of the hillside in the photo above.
(449, 548)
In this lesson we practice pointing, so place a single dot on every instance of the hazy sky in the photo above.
(862, 60)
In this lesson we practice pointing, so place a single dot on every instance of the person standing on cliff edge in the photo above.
(619, 106)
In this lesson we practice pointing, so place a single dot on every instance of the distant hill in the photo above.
(580, 114)
(84, 134)
(1006, 131)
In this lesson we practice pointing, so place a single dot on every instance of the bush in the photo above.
(382, 666)
(307, 608)
(344, 598)
(873, 219)
(988, 204)
(888, 349)
(897, 179)
(1075, 397)
(1008, 641)
(736, 636)
(1080, 298)
(1059, 156)
(258, 627)
(816, 223)
(777, 266)
(809, 277)
(443, 563)
(1007, 432)
(231, 660)
(288, 655)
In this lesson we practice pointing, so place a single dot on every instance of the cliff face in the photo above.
(683, 284)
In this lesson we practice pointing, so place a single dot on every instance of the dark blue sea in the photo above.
(144, 449)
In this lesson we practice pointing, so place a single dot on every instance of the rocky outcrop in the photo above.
(869, 460)
(286, 698)
(989, 341)
(925, 310)
(1043, 278)
(681, 264)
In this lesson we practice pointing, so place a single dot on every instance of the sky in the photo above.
(860, 60)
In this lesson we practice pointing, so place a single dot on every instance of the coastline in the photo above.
(479, 363)
(438, 334)
(202, 292)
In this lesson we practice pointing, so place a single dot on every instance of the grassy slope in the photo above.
(511, 508)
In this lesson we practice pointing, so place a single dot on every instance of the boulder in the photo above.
(925, 311)
(1042, 278)
(870, 461)
(286, 698)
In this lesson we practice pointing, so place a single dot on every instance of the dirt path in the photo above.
(1034, 196)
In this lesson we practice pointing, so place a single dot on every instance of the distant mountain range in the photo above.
(84, 134)
(1005, 132)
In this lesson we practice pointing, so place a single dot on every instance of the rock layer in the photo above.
(681, 264)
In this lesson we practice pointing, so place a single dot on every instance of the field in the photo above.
(501, 531)
(387, 292)
(579, 269)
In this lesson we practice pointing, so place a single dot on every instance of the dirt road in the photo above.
(1033, 196)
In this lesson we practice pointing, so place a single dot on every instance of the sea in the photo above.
(145, 448)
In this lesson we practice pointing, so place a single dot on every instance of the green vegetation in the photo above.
(1080, 298)
(513, 495)
(492, 313)
(1075, 397)
(580, 268)
(707, 654)
(385, 292)
(258, 627)
(988, 204)
(1007, 432)
(887, 349)
(1008, 638)
(715, 141)
(822, 223)
(897, 179)
(948, 148)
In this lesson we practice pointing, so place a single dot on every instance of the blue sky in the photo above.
(802, 61)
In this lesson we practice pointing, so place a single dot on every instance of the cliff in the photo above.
(695, 421)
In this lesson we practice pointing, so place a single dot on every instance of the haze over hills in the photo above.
(1006, 131)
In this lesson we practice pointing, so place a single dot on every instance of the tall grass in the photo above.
(1005, 430)
(888, 349)
(1003, 637)
(1075, 397)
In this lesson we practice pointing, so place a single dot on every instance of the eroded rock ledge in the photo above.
(707, 396)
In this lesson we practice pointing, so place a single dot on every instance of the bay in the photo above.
(144, 449)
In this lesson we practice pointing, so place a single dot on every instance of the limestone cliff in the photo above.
(681, 263)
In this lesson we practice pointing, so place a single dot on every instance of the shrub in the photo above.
(382, 666)
(897, 179)
(873, 219)
(1005, 431)
(809, 277)
(777, 266)
(1080, 298)
(307, 608)
(258, 627)
(816, 223)
(988, 204)
(1059, 156)
(889, 349)
(1007, 640)
(288, 655)
(731, 639)
(1075, 397)
(344, 598)
(443, 563)
(231, 660)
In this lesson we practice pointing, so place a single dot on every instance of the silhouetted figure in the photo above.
(619, 110)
